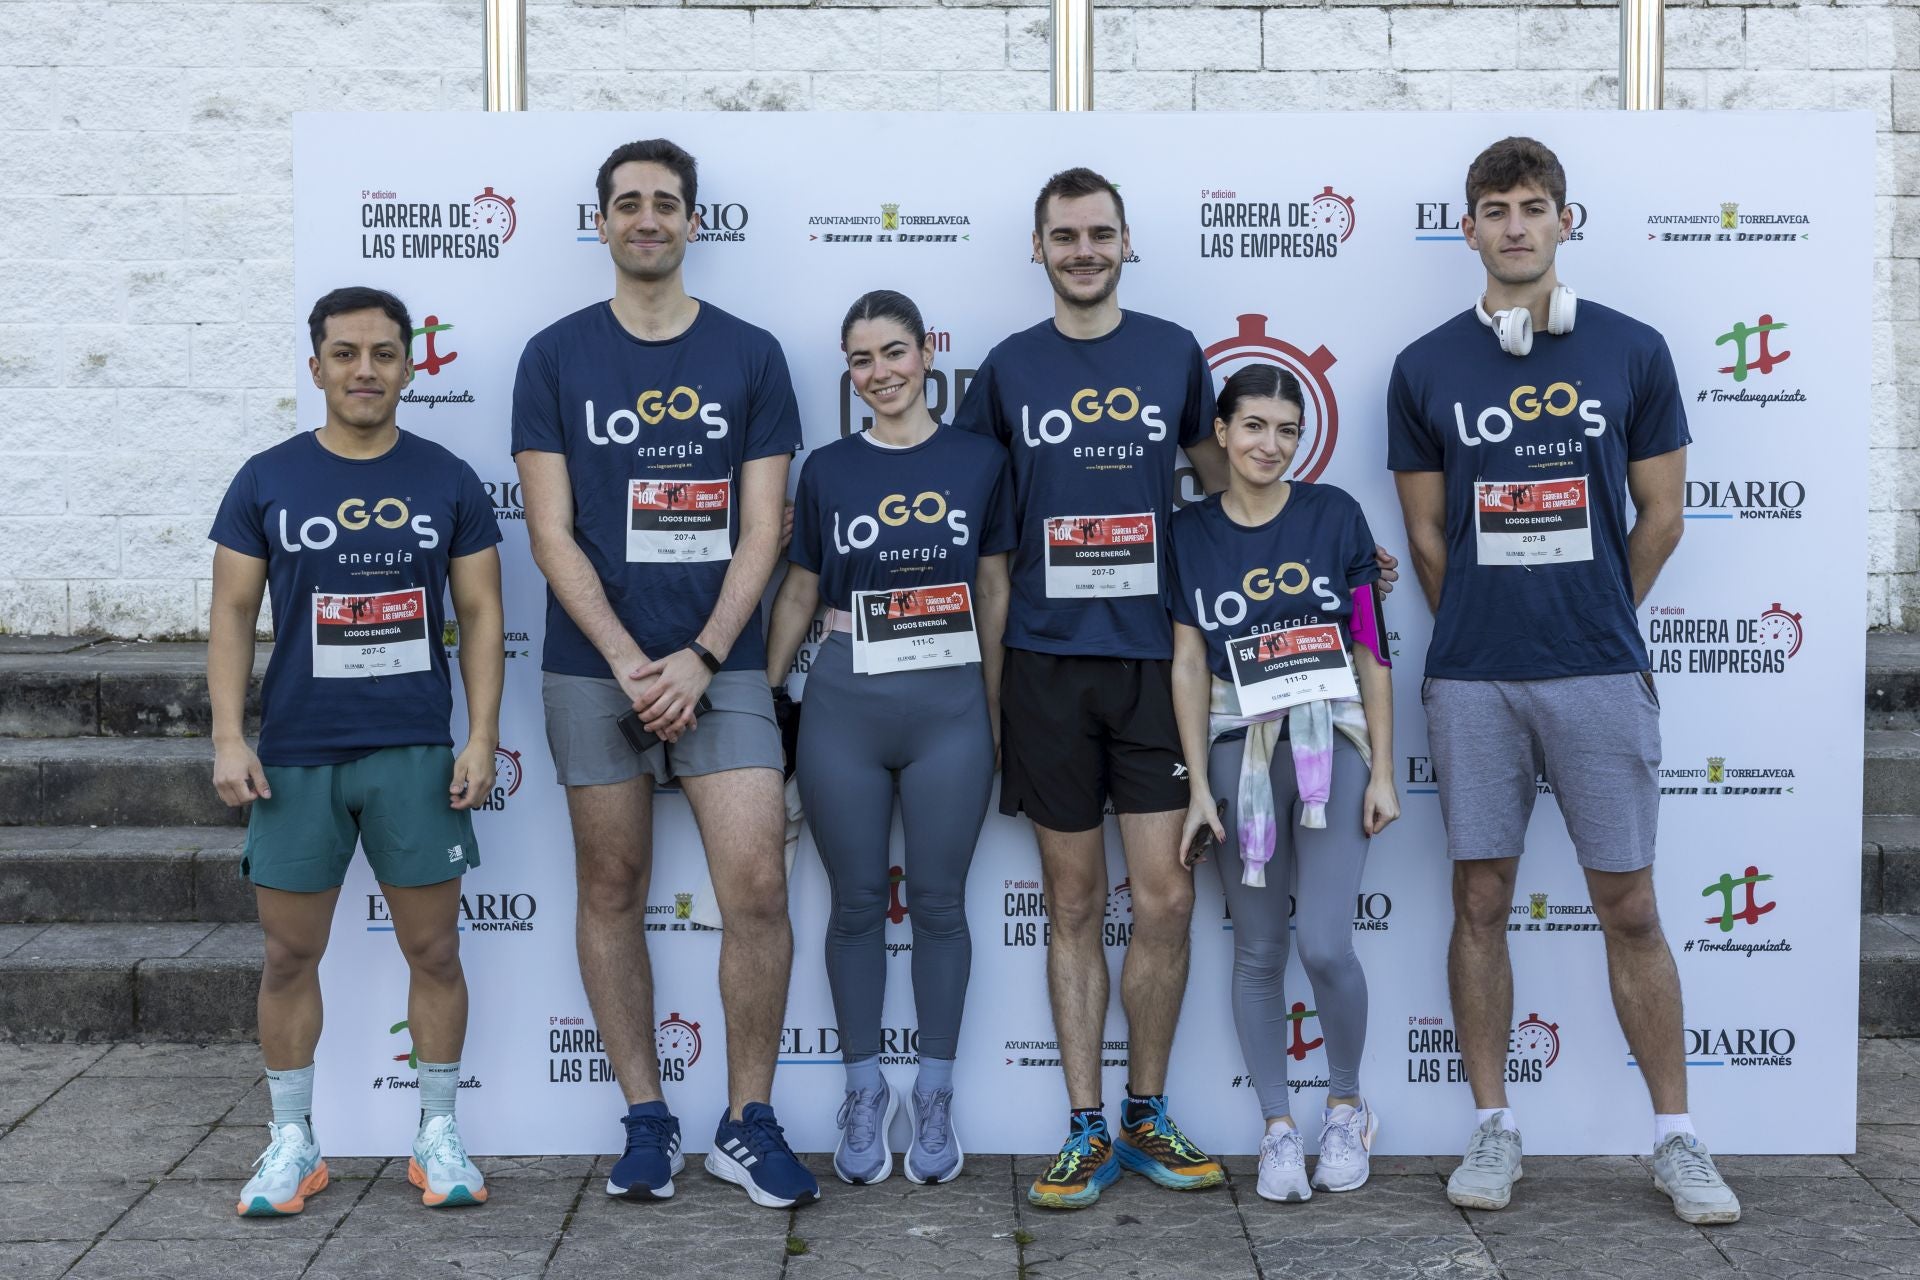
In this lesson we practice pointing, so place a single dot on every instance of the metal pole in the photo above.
(1072, 55)
(504, 74)
(1643, 51)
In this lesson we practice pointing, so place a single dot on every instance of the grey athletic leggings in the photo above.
(928, 731)
(1323, 868)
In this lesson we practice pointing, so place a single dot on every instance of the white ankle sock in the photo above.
(1665, 1127)
(1279, 1124)
(1507, 1119)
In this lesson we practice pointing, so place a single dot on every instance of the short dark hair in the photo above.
(1070, 184)
(885, 304)
(1260, 381)
(359, 298)
(1513, 162)
(651, 151)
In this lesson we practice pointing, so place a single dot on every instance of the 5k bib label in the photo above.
(679, 521)
(1089, 557)
(356, 636)
(1275, 669)
(923, 627)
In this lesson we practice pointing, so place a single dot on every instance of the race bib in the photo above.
(679, 521)
(1276, 669)
(1535, 522)
(374, 635)
(905, 630)
(1089, 557)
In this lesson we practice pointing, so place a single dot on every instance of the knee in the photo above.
(1633, 917)
(1259, 961)
(1327, 953)
(1163, 908)
(289, 962)
(436, 958)
(756, 895)
(608, 886)
(1482, 898)
(1076, 907)
(939, 912)
(860, 909)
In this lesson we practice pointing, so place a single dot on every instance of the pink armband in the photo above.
(1369, 625)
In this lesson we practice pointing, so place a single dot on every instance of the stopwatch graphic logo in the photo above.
(506, 768)
(494, 212)
(1120, 903)
(677, 1039)
(1331, 211)
(1320, 425)
(1537, 1038)
(1782, 629)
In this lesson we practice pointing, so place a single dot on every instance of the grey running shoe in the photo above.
(863, 1155)
(1485, 1178)
(1346, 1138)
(934, 1154)
(1683, 1169)
(1283, 1167)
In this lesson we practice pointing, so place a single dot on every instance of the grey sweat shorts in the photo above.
(588, 749)
(1595, 739)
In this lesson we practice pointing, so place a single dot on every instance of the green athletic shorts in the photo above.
(394, 802)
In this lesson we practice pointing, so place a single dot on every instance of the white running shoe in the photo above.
(1683, 1169)
(290, 1170)
(1485, 1178)
(1283, 1166)
(441, 1169)
(1346, 1139)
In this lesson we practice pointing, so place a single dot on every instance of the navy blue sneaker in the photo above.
(752, 1153)
(645, 1171)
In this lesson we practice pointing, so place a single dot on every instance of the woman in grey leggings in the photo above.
(1285, 705)
(903, 530)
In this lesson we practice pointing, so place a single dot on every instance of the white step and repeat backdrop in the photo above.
(1323, 243)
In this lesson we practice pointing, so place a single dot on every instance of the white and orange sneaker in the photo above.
(440, 1168)
(290, 1170)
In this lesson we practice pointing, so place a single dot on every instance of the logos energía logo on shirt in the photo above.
(1233, 227)
(897, 511)
(1529, 403)
(355, 515)
(476, 227)
(652, 407)
(1259, 583)
(1110, 410)
(1320, 417)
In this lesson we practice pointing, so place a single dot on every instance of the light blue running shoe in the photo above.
(291, 1169)
(863, 1156)
(934, 1155)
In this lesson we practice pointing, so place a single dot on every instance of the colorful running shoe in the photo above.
(863, 1156)
(1346, 1141)
(645, 1171)
(441, 1169)
(1153, 1145)
(1283, 1167)
(290, 1170)
(1085, 1167)
(1683, 1169)
(752, 1153)
(934, 1155)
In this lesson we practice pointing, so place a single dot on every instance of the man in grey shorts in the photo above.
(1515, 441)
(653, 433)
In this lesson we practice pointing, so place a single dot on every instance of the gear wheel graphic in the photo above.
(1321, 424)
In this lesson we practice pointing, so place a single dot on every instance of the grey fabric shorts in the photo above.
(1595, 739)
(588, 749)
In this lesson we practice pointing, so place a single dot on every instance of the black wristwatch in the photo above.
(700, 651)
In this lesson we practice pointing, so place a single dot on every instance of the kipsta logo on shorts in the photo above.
(1232, 227)
(411, 229)
(1320, 423)
(676, 1041)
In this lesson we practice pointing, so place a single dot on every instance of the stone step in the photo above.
(122, 782)
(51, 875)
(1893, 680)
(1890, 975)
(113, 688)
(1892, 773)
(184, 982)
(1890, 871)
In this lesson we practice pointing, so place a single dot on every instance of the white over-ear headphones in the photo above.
(1514, 328)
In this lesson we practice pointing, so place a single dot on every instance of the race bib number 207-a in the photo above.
(679, 521)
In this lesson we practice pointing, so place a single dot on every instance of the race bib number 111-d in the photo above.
(1091, 557)
(372, 635)
(1276, 669)
(679, 521)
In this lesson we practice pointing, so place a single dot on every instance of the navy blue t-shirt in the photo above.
(870, 518)
(1094, 427)
(1535, 451)
(1232, 580)
(656, 435)
(356, 553)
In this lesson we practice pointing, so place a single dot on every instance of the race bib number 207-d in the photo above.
(1089, 557)
(358, 636)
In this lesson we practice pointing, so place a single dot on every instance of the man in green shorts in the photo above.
(359, 530)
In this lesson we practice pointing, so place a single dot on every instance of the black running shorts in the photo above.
(1078, 732)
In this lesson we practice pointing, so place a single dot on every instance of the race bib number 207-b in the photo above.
(1535, 522)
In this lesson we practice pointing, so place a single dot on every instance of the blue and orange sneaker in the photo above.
(441, 1168)
(1084, 1168)
(1152, 1144)
(290, 1170)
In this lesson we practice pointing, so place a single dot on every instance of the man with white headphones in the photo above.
(1515, 441)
